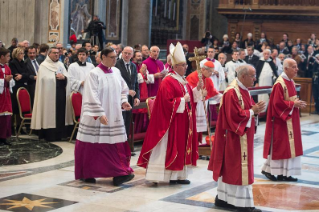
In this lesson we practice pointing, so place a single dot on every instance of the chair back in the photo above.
(24, 101)
(76, 100)
(150, 105)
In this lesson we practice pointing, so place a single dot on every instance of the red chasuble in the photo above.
(182, 147)
(282, 127)
(5, 100)
(193, 79)
(232, 154)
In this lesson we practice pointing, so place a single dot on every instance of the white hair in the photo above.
(287, 62)
(225, 36)
(267, 50)
(249, 35)
(243, 70)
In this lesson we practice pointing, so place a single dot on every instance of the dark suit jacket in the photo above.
(40, 58)
(131, 81)
(31, 81)
(253, 60)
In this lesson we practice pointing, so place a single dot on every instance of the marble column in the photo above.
(139, 22)
(125, 20)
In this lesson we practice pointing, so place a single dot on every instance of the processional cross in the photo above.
(197, 59)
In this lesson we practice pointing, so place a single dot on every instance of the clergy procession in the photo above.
(178, 118)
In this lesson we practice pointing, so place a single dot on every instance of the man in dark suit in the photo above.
(129, 74)
(251, 58)
(32, 68)
(309, 62)
(44, 48)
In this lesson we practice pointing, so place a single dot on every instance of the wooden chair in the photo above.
(24, 104)
(150, 104)
(76, 101)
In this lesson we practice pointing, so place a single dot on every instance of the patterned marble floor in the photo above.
(49, 185)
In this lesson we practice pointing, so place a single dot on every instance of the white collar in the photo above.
(284, 75)
(241, 85)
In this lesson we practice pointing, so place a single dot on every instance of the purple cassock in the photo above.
(153, 67)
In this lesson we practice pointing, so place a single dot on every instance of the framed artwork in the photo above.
(113, 18)
(54, 20)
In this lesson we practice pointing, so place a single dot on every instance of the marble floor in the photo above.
(43, 180)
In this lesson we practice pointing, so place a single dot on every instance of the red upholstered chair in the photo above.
(24, 104)
(150, 104)
(76, 101)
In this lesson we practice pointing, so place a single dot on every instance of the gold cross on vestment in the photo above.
(188, 151)
(197, 58)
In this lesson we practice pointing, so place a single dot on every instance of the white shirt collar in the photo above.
(284, 75)
(241, 85)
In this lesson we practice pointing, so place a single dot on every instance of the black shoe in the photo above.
(248, 209)
(89, 180)
(284, 178)
(223, 204)
(133, 153)
(122, 179)
(183, 182)
(269, 176)
(4, 142)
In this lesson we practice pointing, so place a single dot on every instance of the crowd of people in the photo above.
(114, 80)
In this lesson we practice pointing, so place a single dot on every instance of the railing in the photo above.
(271, 2)
(290, 2)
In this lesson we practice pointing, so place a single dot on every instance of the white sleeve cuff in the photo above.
(292, 110)
(197, 95)
(124, 98)
(150, 79)
(11, 85)
(181, 107)
(140, 78)
(251, 113)
(1, 85)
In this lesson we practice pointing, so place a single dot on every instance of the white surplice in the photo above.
(265, 79)
(103, 94)
(78, 74)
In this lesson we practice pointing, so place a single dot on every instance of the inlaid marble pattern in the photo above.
(23, 151)
(29, 202)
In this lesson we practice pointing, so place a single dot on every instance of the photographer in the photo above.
(95, 29)
(208, 40)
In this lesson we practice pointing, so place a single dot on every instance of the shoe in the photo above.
(133, 153)
(223, 204)
(183, 182)
(4, 142)
(89, 180)
(122, 179)
(269, 176)
(284, 178)
(248, 209)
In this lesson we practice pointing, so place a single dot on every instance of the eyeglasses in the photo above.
(252, 76)
(54, 52)
(183, 65)
(60, 48)
(127, 53)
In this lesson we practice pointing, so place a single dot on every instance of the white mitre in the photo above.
(177, 54)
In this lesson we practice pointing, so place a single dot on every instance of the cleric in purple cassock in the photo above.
(155, 68)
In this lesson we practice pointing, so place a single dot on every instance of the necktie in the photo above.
(36, 66)
(128, 69)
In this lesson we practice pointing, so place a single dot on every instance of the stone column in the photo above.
(139, 22)
(125, 20)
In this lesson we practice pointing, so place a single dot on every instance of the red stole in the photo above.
(283, 128)
(182, 147)
(5, 100)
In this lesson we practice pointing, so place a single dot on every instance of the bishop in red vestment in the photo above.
(283, 145)
(6, 84)
(170, 144)
(232, 155)
(209, 91)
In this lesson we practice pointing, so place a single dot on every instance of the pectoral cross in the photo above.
(240, 101)
(244, 156)
(197, 58)
(290, 133)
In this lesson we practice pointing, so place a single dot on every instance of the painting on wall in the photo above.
(54, 20)
(113, 18)
(82, 12)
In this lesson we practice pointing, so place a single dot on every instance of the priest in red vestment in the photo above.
(170, 147)
(155, 68)
(283, 145)
(232, 155)
(208, 92)
(6, 84)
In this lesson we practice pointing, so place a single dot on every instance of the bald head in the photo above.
(154, 52)
(246, 74)
(290, 67)
(127, 54)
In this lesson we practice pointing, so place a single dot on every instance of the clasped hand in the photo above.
(259, 107)
(300, 104)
